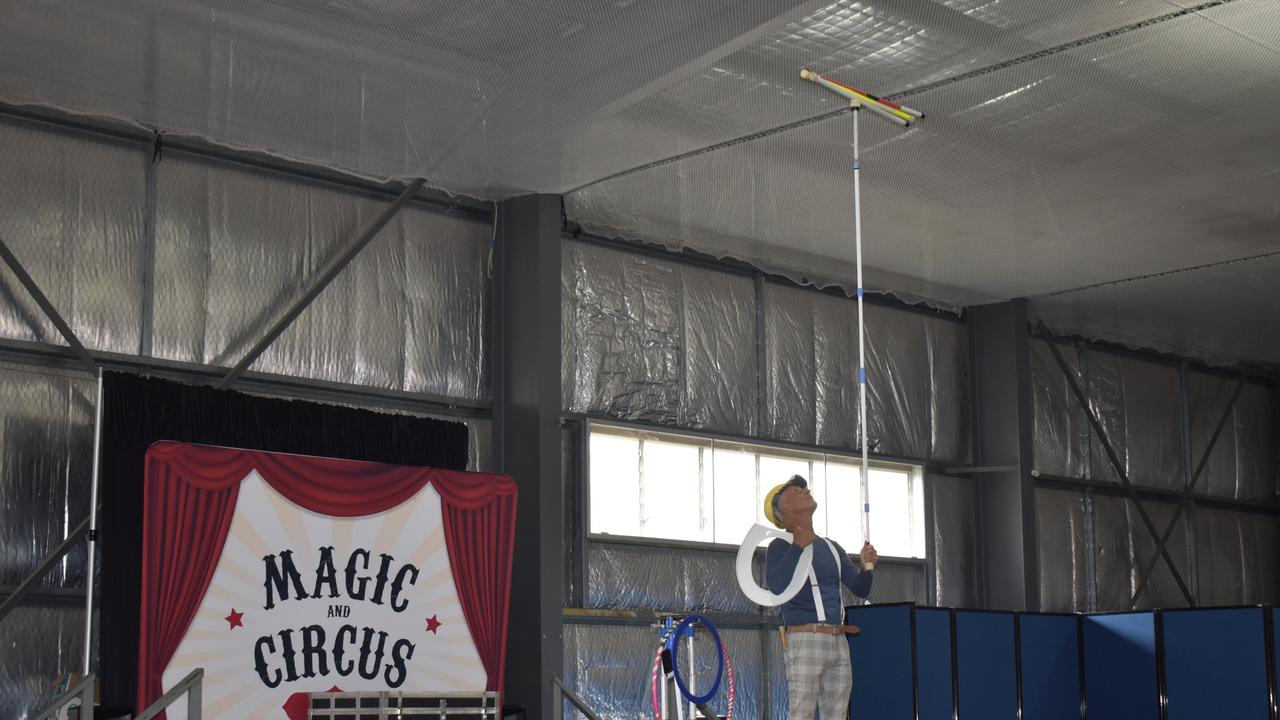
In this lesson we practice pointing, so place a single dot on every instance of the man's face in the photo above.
(795, 499)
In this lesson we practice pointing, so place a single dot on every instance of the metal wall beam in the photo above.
(1003, 448)
(1163, 540)
(26, 586)
(526, 440)
(1119, 468)
(331, 270)
(47, 307)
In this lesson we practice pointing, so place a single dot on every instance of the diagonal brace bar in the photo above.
(321, 281)
(1119, 468)
(1200, 466)
(73, 539)
(47, 307)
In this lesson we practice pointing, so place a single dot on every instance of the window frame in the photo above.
(916, 470)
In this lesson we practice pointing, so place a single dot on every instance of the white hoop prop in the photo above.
(756, 594)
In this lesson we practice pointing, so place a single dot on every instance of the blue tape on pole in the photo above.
(866, 507)
(862, 375)
(856, 165)
(687, 624)
(859, 292)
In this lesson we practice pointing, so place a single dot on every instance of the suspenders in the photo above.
(813, 581)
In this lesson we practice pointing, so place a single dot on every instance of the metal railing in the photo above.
(560, 692)
(381, 704)
(82, 690)
(191, 685)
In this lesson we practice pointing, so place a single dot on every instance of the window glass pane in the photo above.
(739, 501)
(671, 492)
(844, 505)
(669, 486)
(615, 484)
(890, 512)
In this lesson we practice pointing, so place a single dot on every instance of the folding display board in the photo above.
(933, 663)
(1050, 654)
(1215, 663)
(882, 662)
(915, 663)
(985, 667)
(1120, 666)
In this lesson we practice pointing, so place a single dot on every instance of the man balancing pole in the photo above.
(813, 634)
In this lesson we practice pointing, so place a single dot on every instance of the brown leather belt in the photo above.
(825, 629)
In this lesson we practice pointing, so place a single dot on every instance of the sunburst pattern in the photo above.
(267, 523)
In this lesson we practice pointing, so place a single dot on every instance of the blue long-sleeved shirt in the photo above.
(780, 565)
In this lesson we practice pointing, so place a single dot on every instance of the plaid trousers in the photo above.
(818, 676)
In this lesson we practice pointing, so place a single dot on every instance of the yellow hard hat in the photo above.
(771, 499)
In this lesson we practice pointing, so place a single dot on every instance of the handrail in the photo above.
(73, 538)
(82, 690)
(191, 685)
(561, 691)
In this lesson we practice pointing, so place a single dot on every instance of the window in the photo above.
(677, 487)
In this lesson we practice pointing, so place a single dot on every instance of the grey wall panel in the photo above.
(835, 359)
(1261, 545)
(234, 247)
(1153, 410)
(46, 457)
(1106, 400)
(1162, 590)
(1220, 555)
(791, 372)
(1208, 396)
(895, 583)
(954, 545)
(659, 578)
(608, 666)
(74, 219)
(720, 391)
(659, 341)
(1138, 405)
(1113, 553)
(446, 301)
(950, 391)
(899, 381)
(1060, 534)
(1256, 436)
(37, 645)
(1061, 430)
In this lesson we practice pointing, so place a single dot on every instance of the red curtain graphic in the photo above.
(191, 496)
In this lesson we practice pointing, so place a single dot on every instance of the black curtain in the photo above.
(138, 411)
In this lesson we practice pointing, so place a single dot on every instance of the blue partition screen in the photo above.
(1215, 664)
(985, 666)
(881, 657)
(1050, 667)
(933, 663)
(1120, 667)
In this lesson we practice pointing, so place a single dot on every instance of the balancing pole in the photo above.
(862, 364)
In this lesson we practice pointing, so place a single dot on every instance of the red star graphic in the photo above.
(235, 619)
(433, 624)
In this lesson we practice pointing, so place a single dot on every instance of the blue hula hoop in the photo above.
(687, 624)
